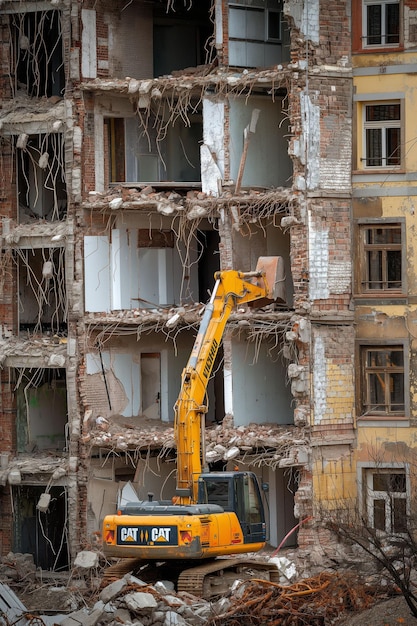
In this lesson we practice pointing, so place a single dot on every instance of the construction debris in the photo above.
(322, 600)
(256, 444)
(317, 601)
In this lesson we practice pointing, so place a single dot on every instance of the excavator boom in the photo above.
(232, 288)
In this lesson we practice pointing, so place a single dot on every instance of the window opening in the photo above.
(387, 500)
(258, 33)
(42, 534)
(384, 390)
(151, 149)
(42, 290)
(36, 52)
(150, 377)
(41, 400)
(383, 257)
(183, 36)
(381, 23)
(273, 28)
(383, 135)
(41, 183)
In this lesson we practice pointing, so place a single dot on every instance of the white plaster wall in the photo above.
(260, 394)
(127, 370)
(96, 274)
(310, 117)
(122, 276)
(306, 14)
(329, 168)
(325, 278)
(119, 270)
(212, 150)
(267, 163)
(88, 44)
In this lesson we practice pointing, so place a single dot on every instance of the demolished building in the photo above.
(144, 146)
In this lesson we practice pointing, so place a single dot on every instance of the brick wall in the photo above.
(85, 111)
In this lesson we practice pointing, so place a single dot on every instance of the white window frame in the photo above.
(384, 26)
(372, 495)
(382, 126)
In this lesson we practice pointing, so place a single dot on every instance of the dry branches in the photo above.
(312, 602)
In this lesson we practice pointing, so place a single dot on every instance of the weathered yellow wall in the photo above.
(382, 85)
(335, 476)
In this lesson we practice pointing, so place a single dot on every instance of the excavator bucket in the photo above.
(273, 267)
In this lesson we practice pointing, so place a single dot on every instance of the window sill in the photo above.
(381, 295)
(384, 419)
(378, 170)
(380, 49)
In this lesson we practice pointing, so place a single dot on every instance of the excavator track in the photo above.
(216, 578)
(119, 569)
(206, 580)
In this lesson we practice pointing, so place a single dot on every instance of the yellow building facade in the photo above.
(376, 470)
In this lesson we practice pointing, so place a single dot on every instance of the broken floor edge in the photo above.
(253, 444)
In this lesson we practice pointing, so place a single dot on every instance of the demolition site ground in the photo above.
(341, 597)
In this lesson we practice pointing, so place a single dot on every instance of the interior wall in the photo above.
(180, 36)
(150, 475)
(268, 163)
(131, 42)
(114, 383)
(175, 157)
(280, 497)
(260, 392)
(183, 151)
(213, 148)
(42, 411)
(266, 241)
(121, 275)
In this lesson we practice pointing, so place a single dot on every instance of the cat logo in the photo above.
(129, 534)
(160, 535)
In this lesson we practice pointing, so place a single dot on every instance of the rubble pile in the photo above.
(195, 204)
(322, 600)
(318, 601)
(258, 444)
(265, 444)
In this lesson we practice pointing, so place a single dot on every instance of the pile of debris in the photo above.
(318, 601)
(256, 444)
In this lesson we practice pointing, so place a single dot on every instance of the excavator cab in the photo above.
(237, 492)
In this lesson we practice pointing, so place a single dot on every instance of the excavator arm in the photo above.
(232, 288)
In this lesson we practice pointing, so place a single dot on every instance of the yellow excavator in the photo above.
(212, 514)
